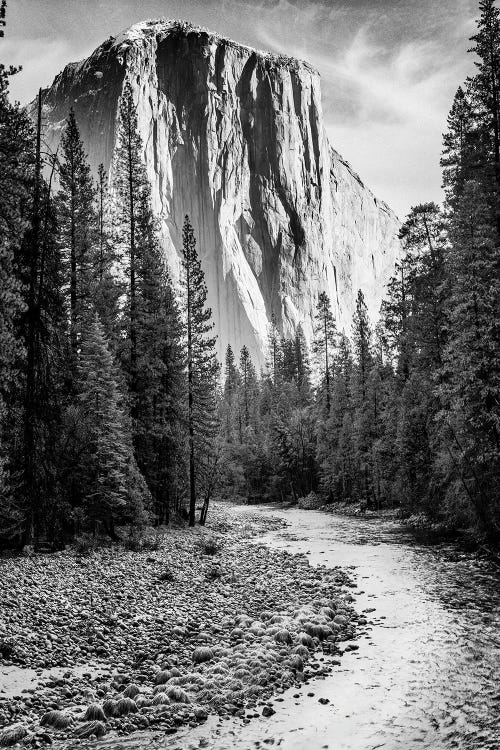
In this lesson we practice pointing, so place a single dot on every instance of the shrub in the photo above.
(311, 502)
(162, 677)
(177, 694)
(89, 729)
(85, 545)
(11, 735)
(140, 540)
(125, 706)
(94, 713)
(283, 636)
(213, 573)
(168, 576)
(131, 691)
(109, 707)
(209, 546)
(202, 653)
(56, 719)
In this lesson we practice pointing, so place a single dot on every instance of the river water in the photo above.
(427, 672)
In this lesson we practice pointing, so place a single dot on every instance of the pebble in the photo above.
(110, 636)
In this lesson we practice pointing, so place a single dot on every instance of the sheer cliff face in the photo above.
(235, 138)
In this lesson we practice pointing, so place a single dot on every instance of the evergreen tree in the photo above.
(325, 339)
(77, 225)
(202, 368)
(160, 368)
(130, 181)
(16, 159)
(232, 418)
(470, 377)
(274, 364)
(109, 487)
(107, 289)
(484, 90)
(248, 384)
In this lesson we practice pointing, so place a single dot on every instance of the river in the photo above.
(427, 672)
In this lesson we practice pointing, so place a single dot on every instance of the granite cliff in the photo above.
(236, 138)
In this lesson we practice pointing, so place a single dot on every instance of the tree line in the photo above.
(407, 412)
(107, 377)
(112, 408)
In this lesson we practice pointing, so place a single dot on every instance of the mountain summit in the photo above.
(235, 138)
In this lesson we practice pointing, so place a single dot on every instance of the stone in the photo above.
(268, 711)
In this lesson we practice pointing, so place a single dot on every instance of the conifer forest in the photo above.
(114, 409)
(126, 443)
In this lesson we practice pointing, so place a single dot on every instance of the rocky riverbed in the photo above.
(208, 621)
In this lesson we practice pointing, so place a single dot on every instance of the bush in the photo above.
(312, 501)
(209, 546)
(85, 544)
(213, 573)
(141, 540)
(168, 576)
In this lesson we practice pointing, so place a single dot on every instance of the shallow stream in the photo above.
(427, 672)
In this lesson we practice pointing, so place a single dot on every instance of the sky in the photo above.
(389, 68)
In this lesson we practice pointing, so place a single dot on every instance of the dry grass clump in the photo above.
(219, 669)
(177, 694)
(109, 707)
(163, 676)
(242, 674)
(159, 688)
(213, 573)
(283, 636)
(209, 546)
(94, 712)
(125, 706)
(305, 640)
(317, 630)
(202, 654)
(11, 735)
(302, 651)
(131, 691)
(56, 719)
(90, 729)
(141, 701)
(296, 663)
(327, 612)
(160, 699)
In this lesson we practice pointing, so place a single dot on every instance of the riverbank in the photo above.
(210, 622)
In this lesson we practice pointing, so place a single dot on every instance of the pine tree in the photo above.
(107, 289)
(470, 377)
(108, 462)
(160, 366)
(325, 340)
(274, 364)
(129, 181)
(202, 367)
(484, 90)
(459, 146)
(16, 158)
(248, 383)
(77, 225)
(232, 418)
(361, 334)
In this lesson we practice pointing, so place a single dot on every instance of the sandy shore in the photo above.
(117, 641)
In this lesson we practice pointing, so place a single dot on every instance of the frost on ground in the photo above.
(210, 622)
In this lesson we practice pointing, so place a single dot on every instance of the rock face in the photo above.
(235, 138)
